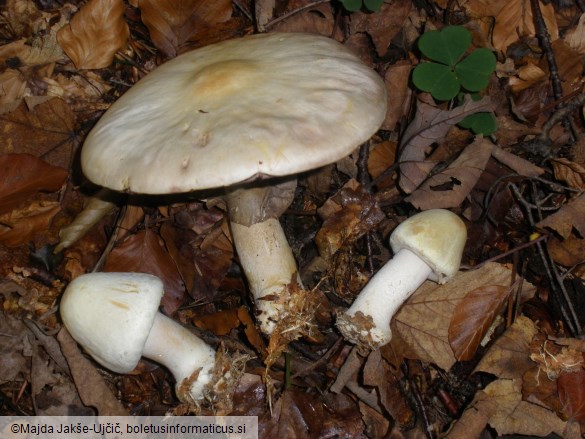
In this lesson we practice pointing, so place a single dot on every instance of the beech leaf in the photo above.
(472, 318)
(569, 216)
(23, 175)
(171, 24)
(571, 387)
(430, 125)
(420, 329)
(144, 253)
(450, 187)
(94, 35)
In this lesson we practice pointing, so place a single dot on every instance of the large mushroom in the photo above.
(428, 245)
(232, 115)
(115, 317)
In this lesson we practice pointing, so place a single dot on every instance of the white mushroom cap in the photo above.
(111, 314)
(243, 109)
(437, 236)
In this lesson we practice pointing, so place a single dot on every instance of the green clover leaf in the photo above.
(446, 46)
(356, 5)
(480, 123)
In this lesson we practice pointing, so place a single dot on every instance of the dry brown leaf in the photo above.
(450, 187)
(473, 317)
(509, 356)
(95, 34)
(14, 363)
(23, 175)
(22, 225)
(527, 76)
(570, 67)
(536, 385)
(567, 252)
(571, 387)
(517, 164)
(384, 25)
(378, 373)
(23, 18)
(575, 37)
(430, 125)
(570, 172)
(318, 19)
(144, 253)
(47, 132)
(91, 386)
(569, 216)
(296, 415)
(500, 404)
(515, 20)
(171, 24)
(263, 13)
(13, 86)
(347, 216)
(220, 323)
(421, 327)
(397, 79)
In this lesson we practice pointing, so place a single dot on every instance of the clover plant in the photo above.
(450, 73)
(356, 5)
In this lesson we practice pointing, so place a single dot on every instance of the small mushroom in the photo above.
(428, 245)
(231, 116)
(115, 317)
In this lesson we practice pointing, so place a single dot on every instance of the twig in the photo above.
(557, 285)
(296, 11)
(544, 37)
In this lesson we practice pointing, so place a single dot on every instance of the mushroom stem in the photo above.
(381, 298)
(269, 266)
(190, 359)
(264, 252)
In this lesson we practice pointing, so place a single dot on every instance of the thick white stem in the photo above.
(269, 266)
(183, 353)
(367, 321)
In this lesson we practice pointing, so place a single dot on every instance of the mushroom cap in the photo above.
(437, 236)
(111, 314)
(236, 111)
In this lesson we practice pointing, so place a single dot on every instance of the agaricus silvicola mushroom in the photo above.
(231, 115)
(115, 317)
(428, 245)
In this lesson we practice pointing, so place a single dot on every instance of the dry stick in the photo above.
(557, 284)
(296, 11)
(544, 37)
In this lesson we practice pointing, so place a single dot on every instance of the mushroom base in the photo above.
(367, 322)
(269, 266)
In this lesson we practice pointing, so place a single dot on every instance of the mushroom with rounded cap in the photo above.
(232, 115)
(115, 317)
(428, 245)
